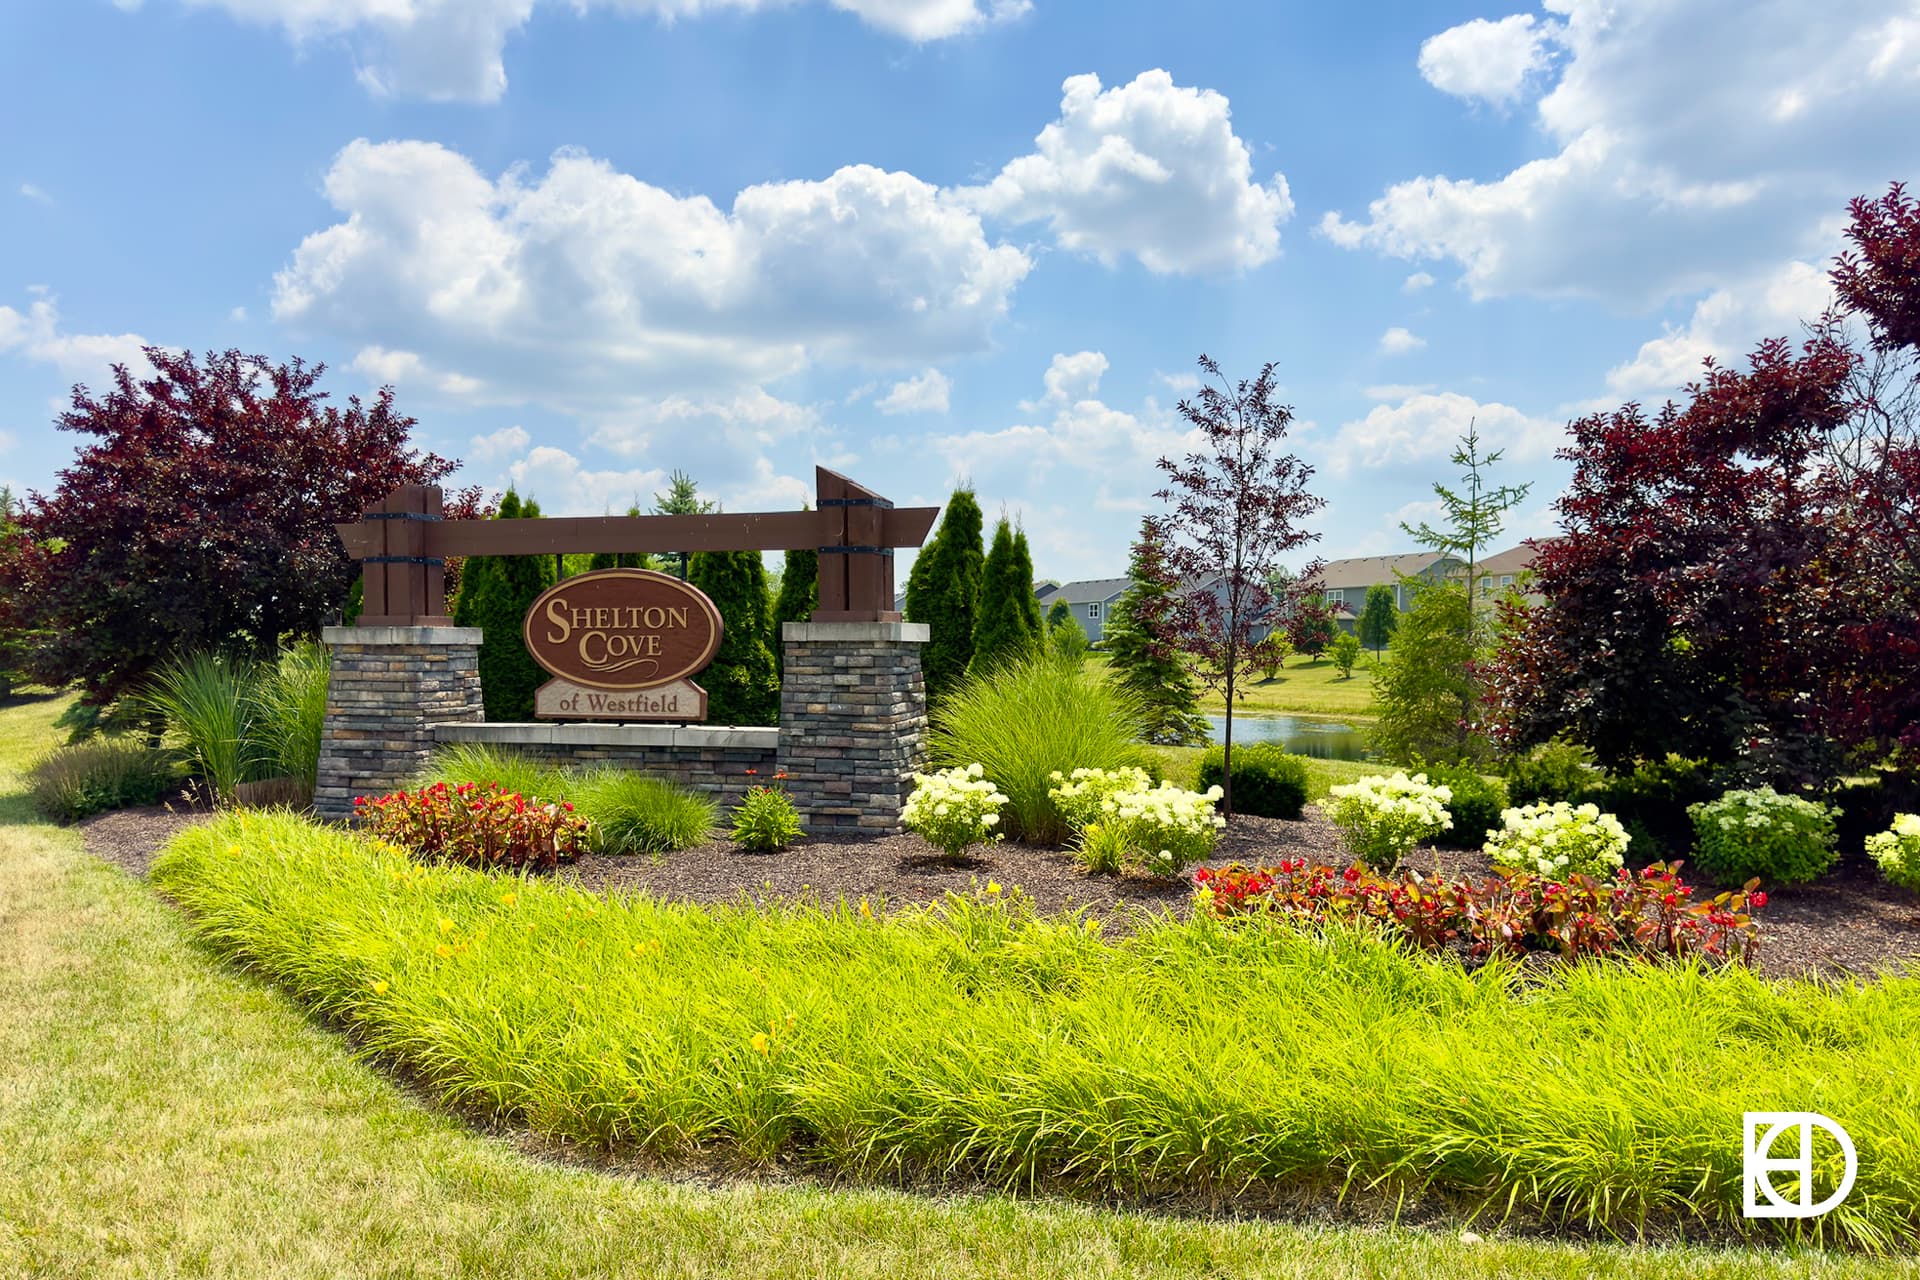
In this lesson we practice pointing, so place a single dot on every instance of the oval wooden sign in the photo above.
(623, 629)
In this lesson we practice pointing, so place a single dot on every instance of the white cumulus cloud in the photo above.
(589, 289)
(1397, 341)
(37, 334)
(1487, 61)
(498, 444)
(1725, 325)
(452, 50)
(924, 393)
(1148, 170)
(1425, 427)
(1690, 146)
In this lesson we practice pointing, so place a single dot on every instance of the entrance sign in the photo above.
(623, 629)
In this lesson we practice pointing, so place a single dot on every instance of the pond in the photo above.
(1321, 739)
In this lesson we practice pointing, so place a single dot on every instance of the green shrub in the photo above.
(1896, 851)
(106, 773)
(1267, 782)
(208, 701)
(954, 809)
(1761, 833)
(1552, 772)
(990, 1044)
(1027, 720)
(632, 813)
(1558, 840)
(1382, 818)
(765, 820)
(1652, 803)
(1103, 847)
(483, 763)
(1475, 807)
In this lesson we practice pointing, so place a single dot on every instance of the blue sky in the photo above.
(925, 240)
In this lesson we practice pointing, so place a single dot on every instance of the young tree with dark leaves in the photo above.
(1310, 625)
(1236, 508)
(1141, 663)
(199, 514)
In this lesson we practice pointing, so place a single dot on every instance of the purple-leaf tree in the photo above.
(1234, 508)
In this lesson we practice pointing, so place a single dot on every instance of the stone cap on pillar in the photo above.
(855, 632)
(400, 635)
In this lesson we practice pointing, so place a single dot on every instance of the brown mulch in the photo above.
(1850, 923)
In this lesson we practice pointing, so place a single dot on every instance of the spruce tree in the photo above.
(495, 594)
(1143, 665)
(741, 685)
(682, 498)
(1378, 618)
(1006, 626)
(943, 591)
(799, 597)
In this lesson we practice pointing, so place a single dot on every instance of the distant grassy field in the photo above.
(1306, 686)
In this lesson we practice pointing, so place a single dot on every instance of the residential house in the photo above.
(1346, 581)
(1087, 601)
(1504, 571)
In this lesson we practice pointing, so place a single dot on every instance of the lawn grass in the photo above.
(162, 1114)
(1305, 686)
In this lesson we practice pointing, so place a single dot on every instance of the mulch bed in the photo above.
(1850, 923)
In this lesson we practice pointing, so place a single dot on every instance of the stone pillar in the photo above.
(389, 686)
(853, 722)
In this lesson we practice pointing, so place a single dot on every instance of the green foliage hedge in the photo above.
(1550, 773)
(973, 1042)
(1267, 782)
(1475, 807)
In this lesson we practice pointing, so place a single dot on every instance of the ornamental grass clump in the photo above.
(92, 777)
(954, 809)
(1762, 834)
(504, 767)
(1382, 817)
(475, 826)
(1897, 851)
(633, 813)
(1558, 840)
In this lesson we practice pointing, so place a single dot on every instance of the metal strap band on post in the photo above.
(400, 515)
(426, 560)
(857, 551)
(883, 503)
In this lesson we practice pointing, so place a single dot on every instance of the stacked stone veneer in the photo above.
(853, 721)
(853, 718)
(709, 759)
(390, 686)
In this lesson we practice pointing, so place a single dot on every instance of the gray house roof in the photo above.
(1092, 591)
(1513, 561)
(1365, 571)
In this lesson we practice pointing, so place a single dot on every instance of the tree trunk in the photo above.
(1226, 756)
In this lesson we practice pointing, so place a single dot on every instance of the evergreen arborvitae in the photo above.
(495, 594)
(943, 591)
(1029, 603)
(1003, 630)
(741, 685)
(1058, 614)
(799, 597)
(1141, 663)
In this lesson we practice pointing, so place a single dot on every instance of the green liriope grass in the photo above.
(1026, 720)
(110, 773)
(969, 1043)
(632, 813)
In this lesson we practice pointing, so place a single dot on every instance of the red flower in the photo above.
(1757, 898)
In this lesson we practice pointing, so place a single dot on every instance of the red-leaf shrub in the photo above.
(476, 826)
(1645, 915)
